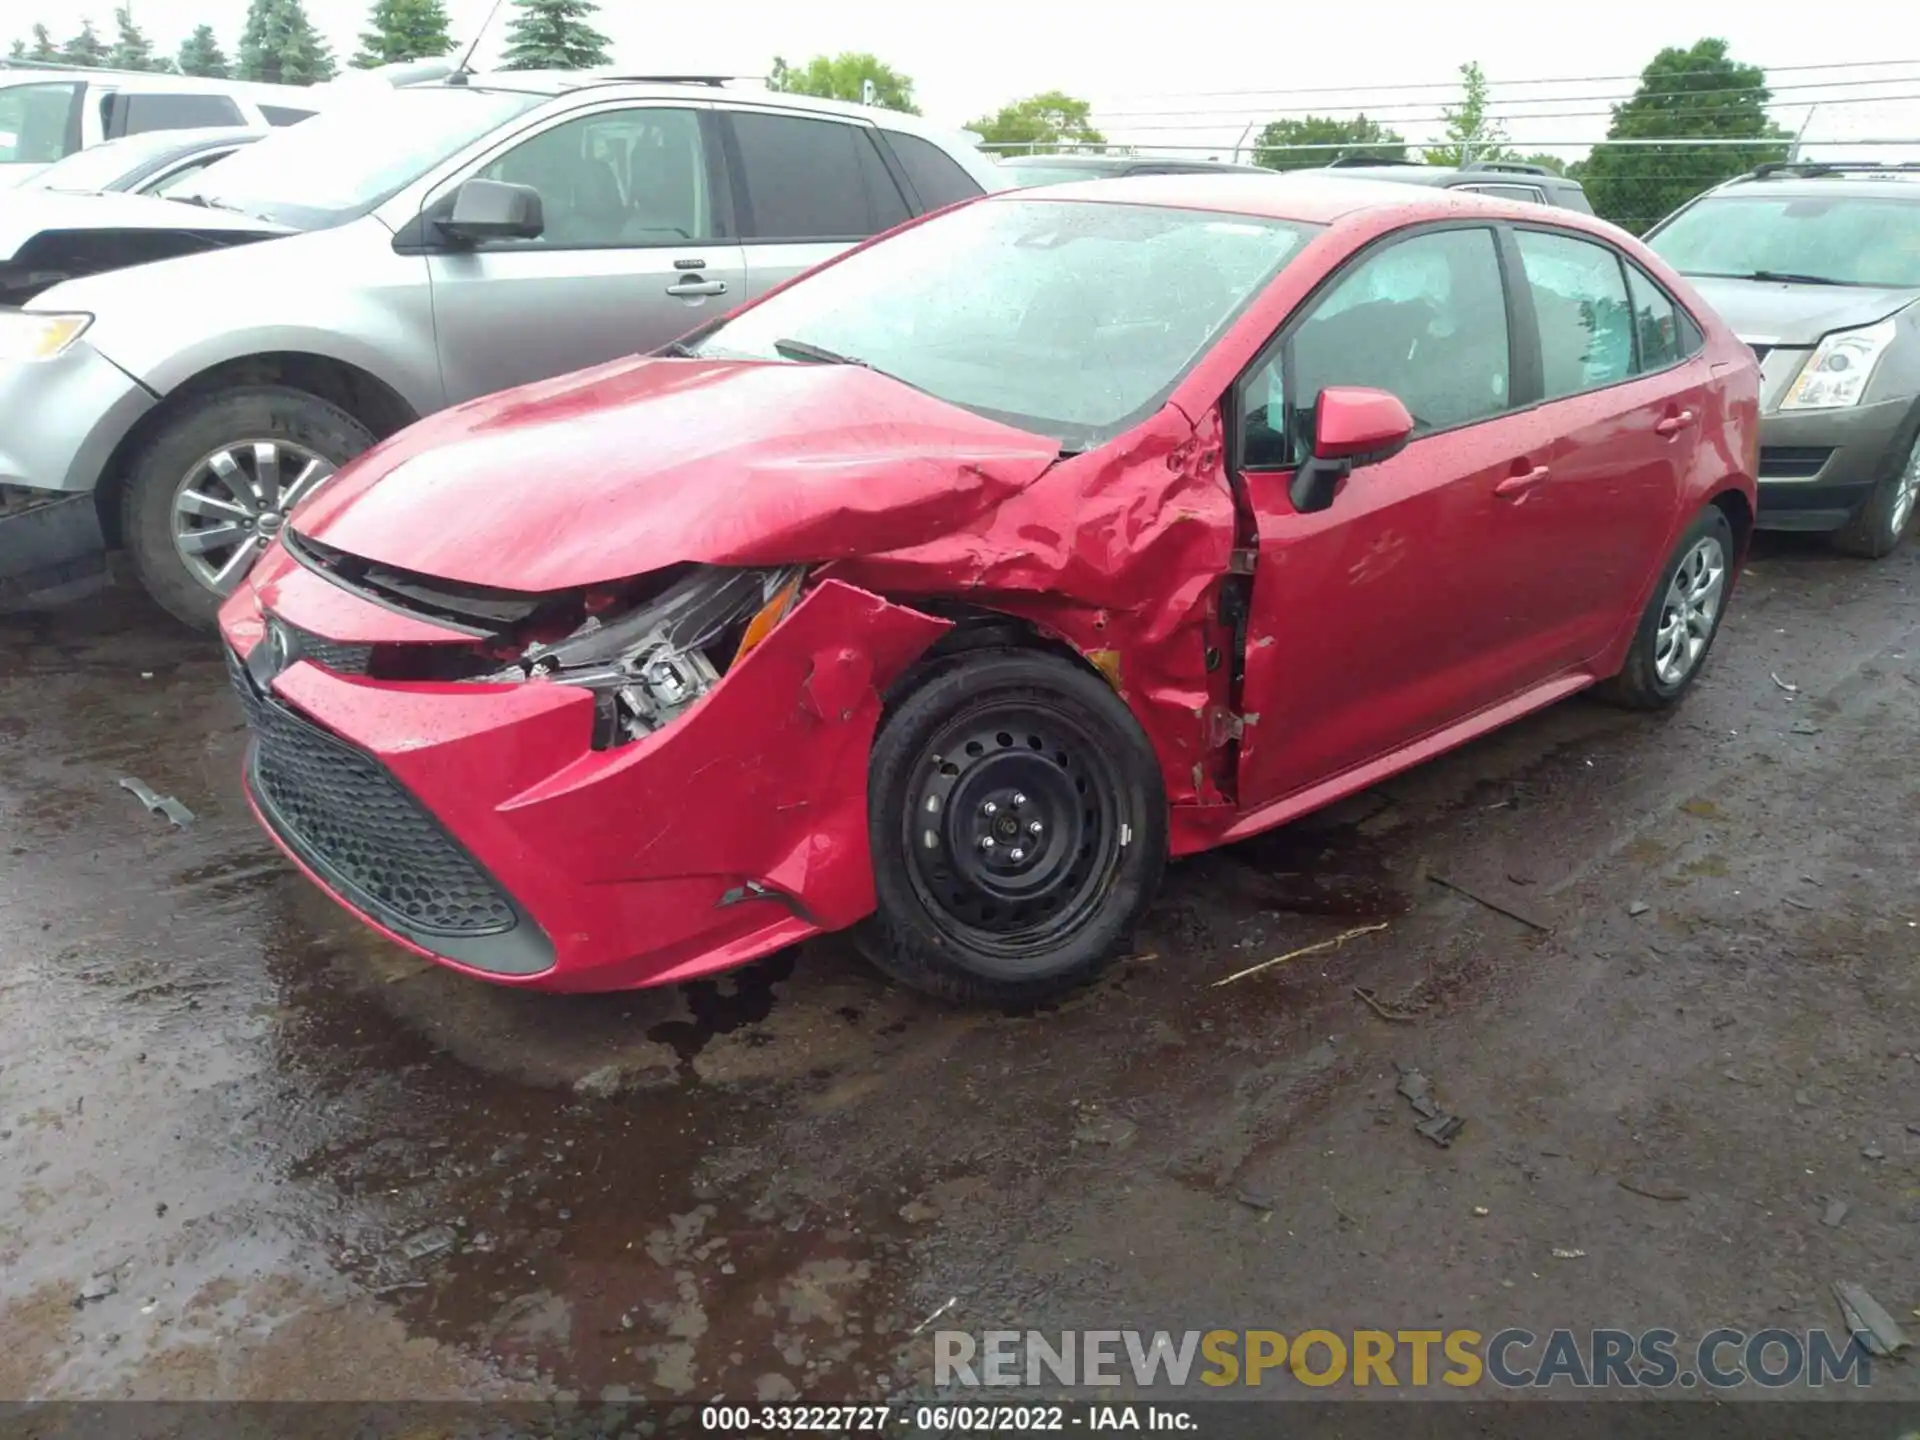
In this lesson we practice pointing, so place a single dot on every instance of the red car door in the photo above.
(1385, 616)
(1623, 401)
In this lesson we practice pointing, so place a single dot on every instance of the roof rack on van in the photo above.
(1507, 167)
(1808, 169)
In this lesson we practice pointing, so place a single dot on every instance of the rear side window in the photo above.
(1580, 301)
(131, 114)
(1507, 192)
(1667, 333)
(39, 123)
(284, 114)
(931, 171)
(812, 180)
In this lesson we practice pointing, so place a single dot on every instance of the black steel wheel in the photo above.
(1018, 824)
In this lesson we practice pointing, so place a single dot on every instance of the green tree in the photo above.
(200, 54)
(17, 50)
(1472, 133)
(279, 45)
(43, 48)
(555, 35)
(131, 48)
(1694, 94)
(1040, 125)
(1356, 137)
(844, 77)
(86, 48)
(400, 30)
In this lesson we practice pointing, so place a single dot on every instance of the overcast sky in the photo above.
(969, 59)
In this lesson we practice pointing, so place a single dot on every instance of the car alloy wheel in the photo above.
(1907, 490)
(232, 503)
(1013, 833)
(1690, 610)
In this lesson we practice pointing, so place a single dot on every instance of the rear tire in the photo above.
(297, 426)
(1033, 754)
(1883, 522)
(1670, 646)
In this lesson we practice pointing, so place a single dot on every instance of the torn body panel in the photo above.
(632, 864)
(51, 549)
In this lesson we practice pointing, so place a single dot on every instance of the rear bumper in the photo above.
(1818, 468)
(476, 824)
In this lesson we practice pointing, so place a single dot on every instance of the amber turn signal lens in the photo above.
(769, 615)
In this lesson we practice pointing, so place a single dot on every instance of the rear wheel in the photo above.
(1018, 826)
(1680, 622)
(1884, 520)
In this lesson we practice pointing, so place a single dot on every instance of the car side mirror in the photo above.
(1352, 427)
(493, 210)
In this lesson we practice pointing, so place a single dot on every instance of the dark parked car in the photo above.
(948, 591)
(1027, 170)
(1502, 179)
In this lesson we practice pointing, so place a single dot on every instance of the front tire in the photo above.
(1679, 625)
(1019, 829)
(213, 484)
(1883, 522)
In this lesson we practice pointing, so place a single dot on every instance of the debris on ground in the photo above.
(951, 1302)
(1654, 1189)
(1435, 1124)
(1560, 1254)
(1638, 907)
(1481, 1212)
(97, 1288)
(1836, 1212)
(1804, 727)
(918, 1212)
(1496, 904)
(1097, 1129)
(159, 804)
(1872, 1151)
(1865, 1316)
(1334, 944)
(1254, 1201)
(1799, 904)
(1790, 689)
(1385, 1011)
(430, 1241)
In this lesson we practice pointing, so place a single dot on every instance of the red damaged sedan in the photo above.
(947, 592)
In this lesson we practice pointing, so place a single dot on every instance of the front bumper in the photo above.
(1818, 467)
(476, 824)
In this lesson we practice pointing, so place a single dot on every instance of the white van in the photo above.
(49, 111)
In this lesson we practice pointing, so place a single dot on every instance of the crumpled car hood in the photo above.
(643, 463)
(1765, 312)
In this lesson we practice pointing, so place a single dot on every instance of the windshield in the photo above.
(87, 171)
(1068, 318)
(1842, 240)
(347, 159)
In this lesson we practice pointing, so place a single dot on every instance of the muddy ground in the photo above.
(291, 1161)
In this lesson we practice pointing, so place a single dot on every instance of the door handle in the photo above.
(1674, 424)
(1515, 485)
(698, 287)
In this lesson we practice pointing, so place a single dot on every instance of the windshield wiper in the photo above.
(677, 350)
(819, 354)
(1776, 277)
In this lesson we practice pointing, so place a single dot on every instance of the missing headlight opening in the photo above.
(646, 665)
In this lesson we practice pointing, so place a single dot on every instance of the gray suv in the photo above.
(1817, 267)
(415, 249)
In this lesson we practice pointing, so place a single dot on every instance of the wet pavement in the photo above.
(249, 1150)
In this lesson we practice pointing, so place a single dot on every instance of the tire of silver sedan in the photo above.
(1019, 828)
(1681, 620)
(1883, 522)
(214, 483)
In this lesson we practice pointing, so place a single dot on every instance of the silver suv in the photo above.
(410, 251)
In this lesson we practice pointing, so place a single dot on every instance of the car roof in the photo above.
(1854, 184)
(1313, 197)
(1411, 174)
(135, 81)
(1127, 162)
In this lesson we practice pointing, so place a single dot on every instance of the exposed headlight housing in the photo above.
(647, 664)
(1836, 374)
(27, 335)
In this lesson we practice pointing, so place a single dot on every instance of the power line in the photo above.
(1438, 119)
(1775, 94)
(1454, 84)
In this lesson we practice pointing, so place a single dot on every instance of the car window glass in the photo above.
(1580, 301)
(1507, 192)
(1666, 336)
(809, 180)
(616, 178)
(136, 114)
(284, 115)
(34, 128)
(180, 176)
(1424, 319)
(931, 171)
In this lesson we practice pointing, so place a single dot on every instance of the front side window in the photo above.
(1069, 319)
(617, 178)
(139, 114)
(1424, 319)
(813, 180)
(1581, 307)
(36, 123)
(1812, 239)
(348, 159)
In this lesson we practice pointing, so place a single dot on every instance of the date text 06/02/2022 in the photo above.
(941, 1419)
